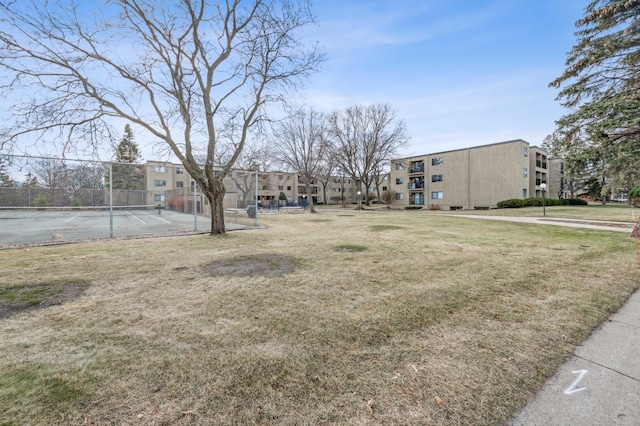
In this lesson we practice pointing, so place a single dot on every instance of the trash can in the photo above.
(251, 211)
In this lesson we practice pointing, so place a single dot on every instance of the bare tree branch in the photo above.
(180, 69)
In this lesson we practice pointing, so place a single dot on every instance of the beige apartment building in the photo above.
(473, 178)
(169, 185)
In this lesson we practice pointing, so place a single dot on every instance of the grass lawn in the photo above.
(343, 317)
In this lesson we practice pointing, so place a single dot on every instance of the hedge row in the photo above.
(537, 202)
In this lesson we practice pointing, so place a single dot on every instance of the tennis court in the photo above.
(34, 225)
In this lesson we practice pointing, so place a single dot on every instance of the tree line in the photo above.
(599, 137)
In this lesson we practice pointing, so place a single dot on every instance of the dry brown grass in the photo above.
(432, 320)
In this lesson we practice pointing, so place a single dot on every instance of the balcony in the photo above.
(415, 186)
(416, 168)
(541, 164)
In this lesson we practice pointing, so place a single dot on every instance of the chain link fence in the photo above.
(45, 200)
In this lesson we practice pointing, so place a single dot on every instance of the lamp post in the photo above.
(359, 200)
(543, 186)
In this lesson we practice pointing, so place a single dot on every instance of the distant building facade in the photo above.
(169, 185)
(476, 177)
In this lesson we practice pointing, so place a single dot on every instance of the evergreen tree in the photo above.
(125, 174)
(600, 87)
(127, 151)
(5, 179)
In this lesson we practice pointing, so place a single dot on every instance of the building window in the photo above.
(436, 161)
(280, 187)
(399, 166)
(525, 172)
(436, 178)
(229, 186)
(160, 169)
(159, 183)
(437, 195)
(399, 181)
(384, 188)
(159, 197)
(336, 189)
(179, 170)
(524, 193)
(288, 188)
(399, 196)
(525, 151)
(179, 184)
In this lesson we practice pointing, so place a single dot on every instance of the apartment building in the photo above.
(471, 178)
(168, 184)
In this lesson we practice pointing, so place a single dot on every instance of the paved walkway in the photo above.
(600, 384)
(573, 223)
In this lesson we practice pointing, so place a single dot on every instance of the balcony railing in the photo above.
(417, 167)
(415, 186)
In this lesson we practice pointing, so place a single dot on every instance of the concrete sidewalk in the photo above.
(600, 384)
(573, 223)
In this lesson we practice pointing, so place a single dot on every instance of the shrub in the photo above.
(510, 204)
(534, 202)
(635, 192)
(576, 202)
(412, 207)
(41, 201)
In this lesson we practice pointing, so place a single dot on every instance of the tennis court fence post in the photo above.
(111, 200)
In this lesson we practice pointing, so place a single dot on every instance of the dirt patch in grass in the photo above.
(350, 248)
(380, 228)
(17, 299)
(257, 264)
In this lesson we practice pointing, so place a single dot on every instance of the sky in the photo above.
(460, 73)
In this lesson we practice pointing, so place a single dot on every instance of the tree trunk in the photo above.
(309, 197)
(216, 201)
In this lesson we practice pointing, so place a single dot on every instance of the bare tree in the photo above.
(301, 145)
(380, 175)
(365, 137)
(192, 73)
(387, 197)
(325, 173)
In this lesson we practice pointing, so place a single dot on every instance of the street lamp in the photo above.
(359, 200)
(543, 186)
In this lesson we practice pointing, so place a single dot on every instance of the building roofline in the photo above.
(464, 149)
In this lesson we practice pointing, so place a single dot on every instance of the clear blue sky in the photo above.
(458, 72)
